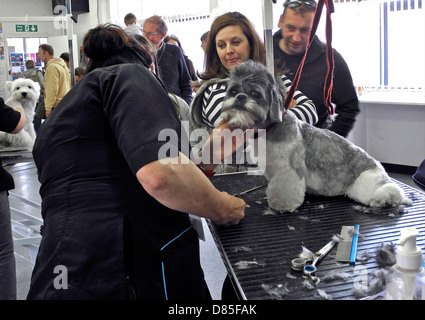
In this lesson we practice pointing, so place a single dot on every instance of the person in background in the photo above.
(289, 47)
(233, 40)
(65, 57)
(115, 207)
(79, 73)
(131, 27)
(57, 80)
(204, 40)
(171, 65)
(150, 49)
(36, 76)
(11, 121)
(172, 39)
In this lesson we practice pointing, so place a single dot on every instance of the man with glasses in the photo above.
(290, 43)
(170, 63)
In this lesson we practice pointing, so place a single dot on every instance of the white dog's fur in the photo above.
(25, 93)
(301, 158)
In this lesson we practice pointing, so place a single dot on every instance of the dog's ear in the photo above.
(8, 87)
(276, 103)
(37, 90)
(37, 86)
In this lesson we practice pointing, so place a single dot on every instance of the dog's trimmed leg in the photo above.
(286, 196)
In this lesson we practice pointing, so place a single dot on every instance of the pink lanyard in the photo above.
(327, 90)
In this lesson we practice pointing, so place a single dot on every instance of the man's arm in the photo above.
(51, 88)
(344, 96)
(346, 117)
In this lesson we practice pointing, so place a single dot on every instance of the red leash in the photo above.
(327, 90)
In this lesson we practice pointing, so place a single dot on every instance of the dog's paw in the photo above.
(389, 194)
(283, 206)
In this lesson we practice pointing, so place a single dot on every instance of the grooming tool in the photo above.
(378, 296)
(309, 269)
(353, 252)
(249, 190)
(347, 246)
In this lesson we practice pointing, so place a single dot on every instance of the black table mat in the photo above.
(258, 251)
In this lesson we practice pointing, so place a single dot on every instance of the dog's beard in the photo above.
(30, 97)
(242, 116)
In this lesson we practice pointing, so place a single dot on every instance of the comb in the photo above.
(347, 247)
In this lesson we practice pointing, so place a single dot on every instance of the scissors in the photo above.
(304, 265)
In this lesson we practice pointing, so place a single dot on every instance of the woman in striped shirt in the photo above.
(233, 40)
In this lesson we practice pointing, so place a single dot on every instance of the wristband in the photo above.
(208, 173)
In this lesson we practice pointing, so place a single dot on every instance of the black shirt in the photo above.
(99, 222)
(9, 119)
(312, 82)
(174, 72)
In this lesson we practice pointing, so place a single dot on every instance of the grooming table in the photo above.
(258, 251)
(11, 155)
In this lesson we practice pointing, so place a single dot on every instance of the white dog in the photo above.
(23, 92)
(301, 158)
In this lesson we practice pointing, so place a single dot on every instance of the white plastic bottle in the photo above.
(406, 279)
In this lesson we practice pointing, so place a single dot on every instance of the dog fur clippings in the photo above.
(301, 158)
(25, 93)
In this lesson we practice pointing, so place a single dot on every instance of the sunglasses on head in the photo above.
(296, 3)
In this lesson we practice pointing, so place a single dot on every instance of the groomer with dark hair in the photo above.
(115, 206)
(289, 47)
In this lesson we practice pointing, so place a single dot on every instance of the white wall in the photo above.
(392, 131)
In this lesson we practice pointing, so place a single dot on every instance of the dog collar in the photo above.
(268, 128)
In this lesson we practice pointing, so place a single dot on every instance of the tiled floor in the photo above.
(27, 186)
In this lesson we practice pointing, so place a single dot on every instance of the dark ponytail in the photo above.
(108, 44)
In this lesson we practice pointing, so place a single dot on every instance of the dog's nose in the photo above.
(24, 94)
(241, 97)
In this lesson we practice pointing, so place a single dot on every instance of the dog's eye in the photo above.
(17, 88)
(255, 94)
(233, 91)
(29, 87)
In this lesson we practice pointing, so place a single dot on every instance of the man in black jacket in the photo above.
(289, 48)
(171, 65)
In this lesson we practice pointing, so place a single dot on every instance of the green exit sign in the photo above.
(26, 28)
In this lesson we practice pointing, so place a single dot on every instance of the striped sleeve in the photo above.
(212, 103)
(305, 110)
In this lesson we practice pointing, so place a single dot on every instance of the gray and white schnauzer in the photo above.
(301, 158)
